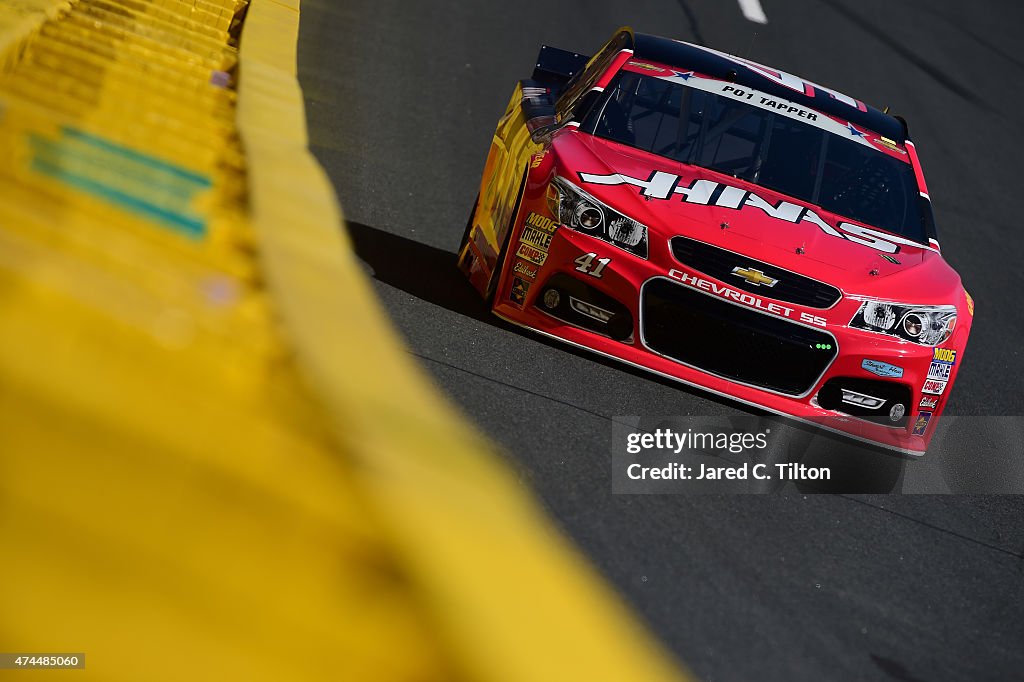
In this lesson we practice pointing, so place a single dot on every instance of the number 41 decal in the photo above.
(584, 263)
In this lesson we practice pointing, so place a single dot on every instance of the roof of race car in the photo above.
(743, 72)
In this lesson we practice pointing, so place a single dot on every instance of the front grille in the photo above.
(733, 341)
(719, 263)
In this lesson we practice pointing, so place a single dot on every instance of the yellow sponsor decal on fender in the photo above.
(970, 303)
(532, 254)
(536, 238)
(541, 223)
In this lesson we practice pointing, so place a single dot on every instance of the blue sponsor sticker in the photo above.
(921, 425)
(882, 369)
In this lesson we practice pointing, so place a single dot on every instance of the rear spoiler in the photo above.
(556, 67)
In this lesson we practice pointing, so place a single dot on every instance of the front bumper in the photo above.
(801, 362)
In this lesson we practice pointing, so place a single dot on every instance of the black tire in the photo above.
(465, 235)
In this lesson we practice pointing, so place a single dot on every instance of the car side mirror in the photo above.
(541, 133)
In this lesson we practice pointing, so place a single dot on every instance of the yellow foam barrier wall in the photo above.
(216, 460)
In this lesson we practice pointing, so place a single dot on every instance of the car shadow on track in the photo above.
(420, 270)
(430, 274)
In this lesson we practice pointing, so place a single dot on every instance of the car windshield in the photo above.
(789, 156)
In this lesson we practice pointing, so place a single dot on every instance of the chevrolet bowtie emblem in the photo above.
(755, 277)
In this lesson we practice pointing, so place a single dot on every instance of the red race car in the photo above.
(726, 225)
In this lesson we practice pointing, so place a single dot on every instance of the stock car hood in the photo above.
(609, 172)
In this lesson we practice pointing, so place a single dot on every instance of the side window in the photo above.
(650, 114)
(583, 81)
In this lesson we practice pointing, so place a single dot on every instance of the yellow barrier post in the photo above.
(216, 460)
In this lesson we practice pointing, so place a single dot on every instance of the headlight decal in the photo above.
(580, 211)
(924, 325)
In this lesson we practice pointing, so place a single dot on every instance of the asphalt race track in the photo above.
(402, 99)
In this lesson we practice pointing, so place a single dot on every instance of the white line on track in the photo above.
(752, 10)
